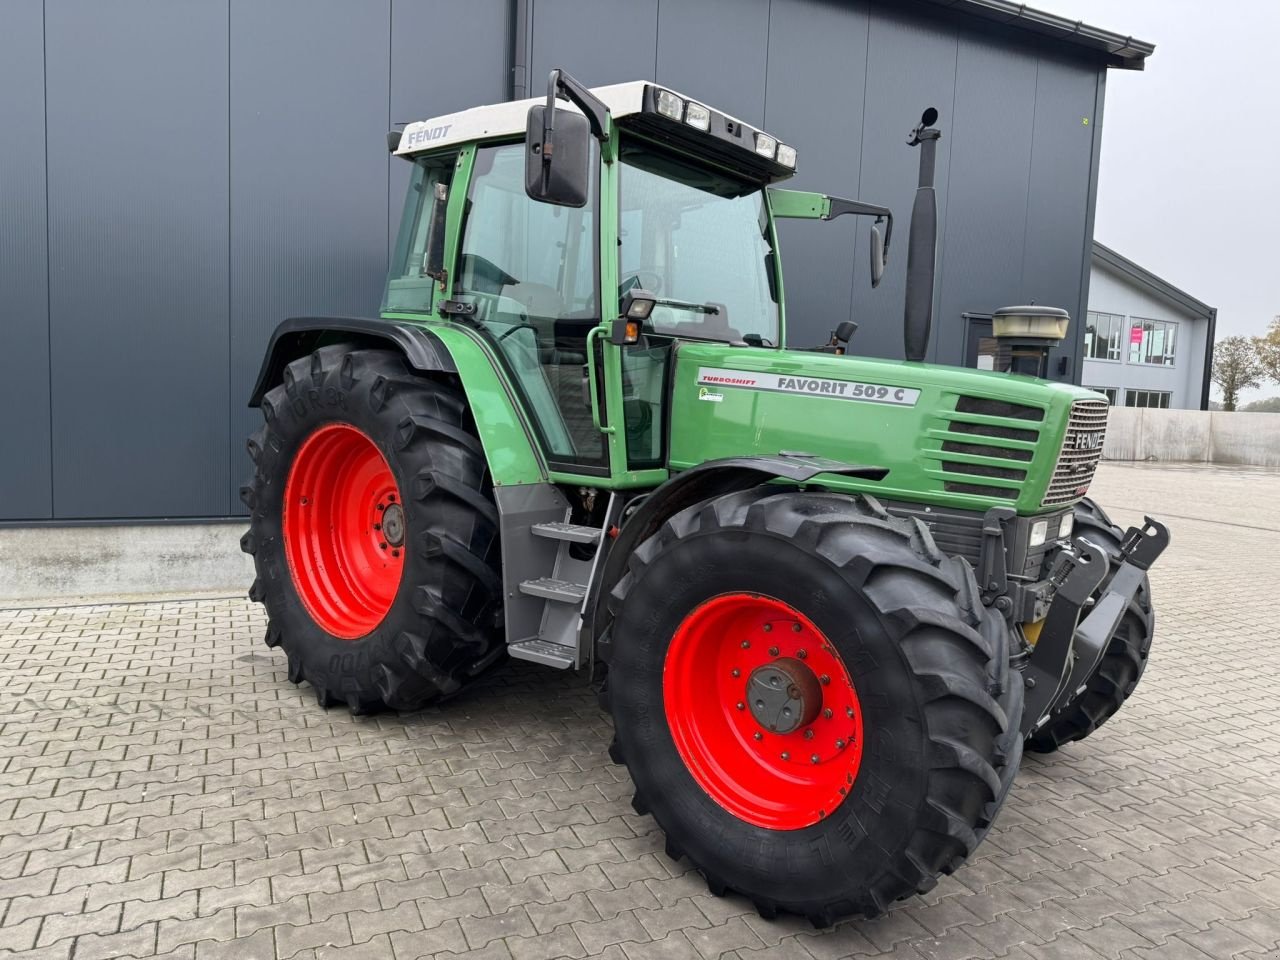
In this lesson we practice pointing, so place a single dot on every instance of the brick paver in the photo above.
(164, 791)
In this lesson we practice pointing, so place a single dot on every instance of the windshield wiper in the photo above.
(707, 308)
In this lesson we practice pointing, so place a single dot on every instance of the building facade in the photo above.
(1146, 343)
(179, 177)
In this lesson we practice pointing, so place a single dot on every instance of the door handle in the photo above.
(591, 380)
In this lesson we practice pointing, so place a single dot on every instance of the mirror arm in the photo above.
(561, 84)
(839, 207)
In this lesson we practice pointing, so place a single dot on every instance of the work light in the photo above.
(696, 115)
(766, 145)
(669, 105)
(787, 155)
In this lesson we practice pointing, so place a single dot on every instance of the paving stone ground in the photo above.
(165, 791)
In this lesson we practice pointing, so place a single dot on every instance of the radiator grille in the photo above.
(1011, 463)
(1081, 451)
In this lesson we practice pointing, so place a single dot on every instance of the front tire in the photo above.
(923, 735)
(1125, 659)
(373, 532)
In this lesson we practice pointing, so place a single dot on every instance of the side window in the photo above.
(409, 287)
(530, 269)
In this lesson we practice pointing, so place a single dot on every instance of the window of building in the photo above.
(1151, 341)
(1109, 392)
(1146, 398)
(1102, 335)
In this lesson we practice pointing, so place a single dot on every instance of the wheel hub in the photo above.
(784, 695)
(393, 524)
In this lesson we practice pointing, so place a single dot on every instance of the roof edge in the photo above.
(1119, 50)
(1161, 287)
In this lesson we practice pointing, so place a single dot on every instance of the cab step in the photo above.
(571, 532)
(543, 651)
(561, 591)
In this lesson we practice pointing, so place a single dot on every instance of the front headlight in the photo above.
(1039, 532)
(1068, 524)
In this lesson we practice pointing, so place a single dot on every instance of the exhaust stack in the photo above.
(922, 243)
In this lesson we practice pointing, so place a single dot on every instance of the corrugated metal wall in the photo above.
(179, 176)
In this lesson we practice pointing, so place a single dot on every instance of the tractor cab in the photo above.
(652, 204)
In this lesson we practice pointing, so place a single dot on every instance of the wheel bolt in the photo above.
(824, 679)
(758, 735)
(801, 654)
(785, 755)
(382, 546)
(377, 526)
(848, 712)
(795, 627)
(736, 672)
(746, 644)
(773, 651)
(768, 628)
(808, 734)
(741, 705)
(381, 507)
(391, 497)
(395, 553)
(827, 714)
(813, 758)
(839, 744)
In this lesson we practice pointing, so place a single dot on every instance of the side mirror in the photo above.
(878, 258)
(845, 330)
(559, 173)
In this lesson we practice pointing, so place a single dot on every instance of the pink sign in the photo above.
(1135, 335)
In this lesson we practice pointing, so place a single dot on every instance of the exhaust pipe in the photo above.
(922, 244)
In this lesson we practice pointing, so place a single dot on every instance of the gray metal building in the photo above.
(176, 176)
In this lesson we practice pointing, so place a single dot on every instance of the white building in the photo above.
(1146, 343)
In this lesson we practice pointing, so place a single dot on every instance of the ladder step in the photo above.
(544, 652)
(572, 532)
(559, 590)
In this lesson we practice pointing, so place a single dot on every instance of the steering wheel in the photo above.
(647, 278)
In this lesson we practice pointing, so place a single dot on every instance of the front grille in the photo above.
(1081, 451)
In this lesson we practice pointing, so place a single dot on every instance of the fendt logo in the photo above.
(1088, 441)
(417, 136)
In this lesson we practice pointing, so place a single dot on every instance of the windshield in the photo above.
(698, 236)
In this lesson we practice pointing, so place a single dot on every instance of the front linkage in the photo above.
(1069, 649)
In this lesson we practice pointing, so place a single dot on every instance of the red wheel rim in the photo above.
(345, 550)
(722, 655)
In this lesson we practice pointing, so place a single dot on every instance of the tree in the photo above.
(1268, 347)
(1269, 405)
(1236, 367)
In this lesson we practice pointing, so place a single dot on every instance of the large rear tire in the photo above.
(373, 532)
(1125, 659)
(824, 814)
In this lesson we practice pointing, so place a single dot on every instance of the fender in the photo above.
(709, 479)
(505, 433)
(298, 336)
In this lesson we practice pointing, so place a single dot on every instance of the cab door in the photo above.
(532, 272)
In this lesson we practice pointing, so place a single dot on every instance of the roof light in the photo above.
(696, 115)
(787, 155)
(669, 105)
(766, 146)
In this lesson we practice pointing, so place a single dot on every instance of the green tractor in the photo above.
(828, 599)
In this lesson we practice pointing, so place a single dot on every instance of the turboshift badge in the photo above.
(815, 386)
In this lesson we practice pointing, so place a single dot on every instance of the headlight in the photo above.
(1039, 531)
(766, 146)
(787, 155)
(696, 115)
(1068, 524)
(669, 105)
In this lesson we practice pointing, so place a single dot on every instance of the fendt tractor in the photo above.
(826, 599)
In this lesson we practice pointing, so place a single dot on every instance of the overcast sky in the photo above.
(1190, 180)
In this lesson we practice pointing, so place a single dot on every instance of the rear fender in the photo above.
(707, 480)
(510, 448)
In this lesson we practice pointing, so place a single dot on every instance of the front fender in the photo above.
(709, 479)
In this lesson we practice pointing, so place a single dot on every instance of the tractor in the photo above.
(827, 600)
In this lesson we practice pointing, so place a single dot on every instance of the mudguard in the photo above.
(300, 335)
(713, 478)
